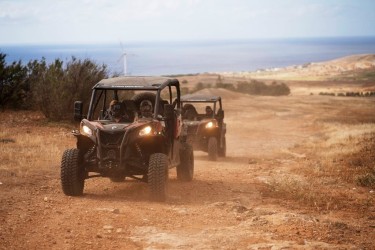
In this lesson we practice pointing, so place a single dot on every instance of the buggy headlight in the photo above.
(145, 131)
(86, 130)
(209, 125)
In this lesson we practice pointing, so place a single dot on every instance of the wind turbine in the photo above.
(125, 60)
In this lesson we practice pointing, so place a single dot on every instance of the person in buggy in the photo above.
(145, 109)
(116, 112)
(209, 111)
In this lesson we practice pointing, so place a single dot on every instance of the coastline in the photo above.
(193, 57)
(313, 71)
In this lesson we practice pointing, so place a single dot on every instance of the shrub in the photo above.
(55, 87)
(260, 88)
(199, 86)
(13, 85)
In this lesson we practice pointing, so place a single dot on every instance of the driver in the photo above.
(116, 112)
(209, 111)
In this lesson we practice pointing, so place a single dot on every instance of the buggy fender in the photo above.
(84, 143)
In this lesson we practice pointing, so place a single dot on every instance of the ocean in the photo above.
(190, 57)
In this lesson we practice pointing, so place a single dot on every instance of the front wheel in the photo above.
(185, 170)
(72, 173)
(158, 176)
(212, 148)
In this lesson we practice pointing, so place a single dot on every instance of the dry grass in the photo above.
(339, 164)
(31, 146)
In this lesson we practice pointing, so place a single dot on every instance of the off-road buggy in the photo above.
(203, 116)
(140, 148)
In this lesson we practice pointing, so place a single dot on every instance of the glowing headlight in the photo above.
(209, 125)
(86, 130)
(145, 131)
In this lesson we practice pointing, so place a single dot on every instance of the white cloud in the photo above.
(99, 20)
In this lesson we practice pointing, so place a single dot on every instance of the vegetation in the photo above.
(344, 157)
(51, 88)
(350, 94)
(13, 84)
(255, 87)
(260, 88)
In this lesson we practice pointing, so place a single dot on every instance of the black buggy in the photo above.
(143, 148)
(203, 116)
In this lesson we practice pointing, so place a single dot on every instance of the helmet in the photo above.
(209, 110)
(146, 108)
(115, 107)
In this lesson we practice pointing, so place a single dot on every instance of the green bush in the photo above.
(13, 85)
(55, 87)
(255, 87)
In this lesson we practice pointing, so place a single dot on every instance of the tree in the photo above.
(55, 87)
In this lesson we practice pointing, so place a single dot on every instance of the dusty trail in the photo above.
(227, 206)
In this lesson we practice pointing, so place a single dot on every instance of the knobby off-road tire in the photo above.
(212, 148)
(72, 173)
(158, 176)
(185, 170)
(223, 149)
(117, 178)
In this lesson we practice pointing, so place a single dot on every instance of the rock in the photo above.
(45, 199)
(108, 227)
(239, 208)
(252, 161)
(116, 211)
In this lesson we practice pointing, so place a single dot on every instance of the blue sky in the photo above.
(102, 21)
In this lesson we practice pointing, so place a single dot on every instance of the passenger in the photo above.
(146, 109)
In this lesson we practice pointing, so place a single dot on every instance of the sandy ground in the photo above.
(227, 206)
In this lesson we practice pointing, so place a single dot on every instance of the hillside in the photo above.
(354, 73)
(345, 67)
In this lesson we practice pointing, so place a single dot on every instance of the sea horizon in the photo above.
(197, 56)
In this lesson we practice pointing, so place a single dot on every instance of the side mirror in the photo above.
(220, 114)
(78, 110)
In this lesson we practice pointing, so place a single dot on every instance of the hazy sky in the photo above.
(93, 21)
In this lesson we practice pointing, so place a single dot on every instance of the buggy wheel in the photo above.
(158, 176)
(185, 170)
(212, 148)
(223, 149)
(119, 178)
(72, 173)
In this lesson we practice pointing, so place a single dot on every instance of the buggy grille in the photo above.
(111, 138)
(192, 129)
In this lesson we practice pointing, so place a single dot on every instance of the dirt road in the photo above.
(231, 204)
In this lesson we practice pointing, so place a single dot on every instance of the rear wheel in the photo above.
(72, 173)
(158, 176)
(223, 148)
(212, 148)
(185, 170)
